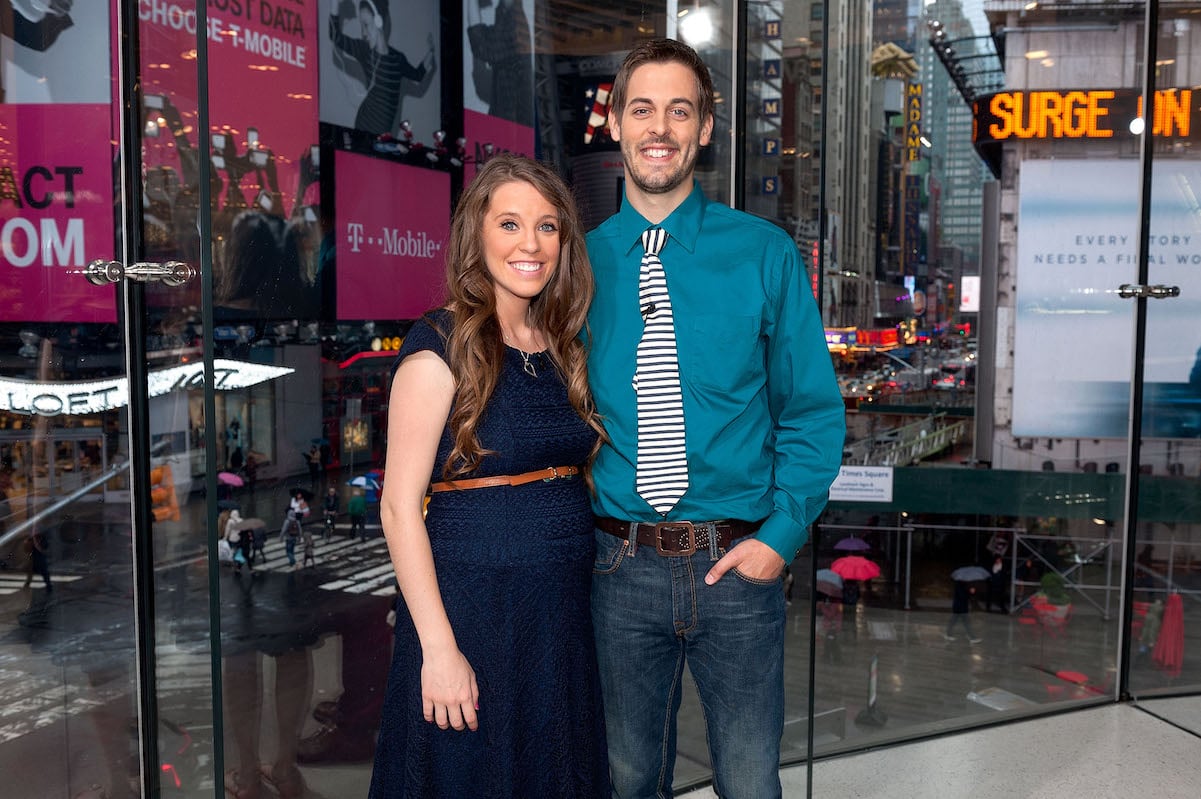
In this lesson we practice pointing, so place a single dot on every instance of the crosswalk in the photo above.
(352, 566)
(11, 583)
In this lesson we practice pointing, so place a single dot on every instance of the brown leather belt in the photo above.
(679, 538)
(547, 474)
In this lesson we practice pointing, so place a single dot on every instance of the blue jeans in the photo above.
(652, 614)
(290, 548)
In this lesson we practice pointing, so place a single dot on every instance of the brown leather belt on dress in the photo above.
(679, 538)
(547, 474)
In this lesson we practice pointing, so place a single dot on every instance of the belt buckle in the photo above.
(675, 528)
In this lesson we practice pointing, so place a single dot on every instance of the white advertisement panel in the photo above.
(1073, 335)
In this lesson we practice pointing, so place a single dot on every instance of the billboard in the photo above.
(261, 145)
(498, 78)
(392, 225)
(380, 66)
(56, 161)
(1074, 336)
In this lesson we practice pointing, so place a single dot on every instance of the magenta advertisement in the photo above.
(392, 223)
(56, 171)
(487, 135)
(262, 101)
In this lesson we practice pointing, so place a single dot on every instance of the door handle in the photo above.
(170, 273)
(1155, 292)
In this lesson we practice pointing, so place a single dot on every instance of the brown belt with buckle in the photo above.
(679, 538)
(547, 474)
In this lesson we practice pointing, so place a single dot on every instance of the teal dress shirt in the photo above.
(763, 415)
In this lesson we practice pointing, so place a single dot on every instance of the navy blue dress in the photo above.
(514, 566)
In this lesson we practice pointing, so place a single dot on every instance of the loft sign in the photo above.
(34, 398)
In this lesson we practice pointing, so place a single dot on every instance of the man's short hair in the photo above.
(663, 51)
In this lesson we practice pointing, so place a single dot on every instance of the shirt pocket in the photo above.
(725, 353)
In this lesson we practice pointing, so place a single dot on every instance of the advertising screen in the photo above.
(1074, 334)
(380, 65)
(56, 154)
(392, 225)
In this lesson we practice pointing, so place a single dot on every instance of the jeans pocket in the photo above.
(610, 551)
(773, 581)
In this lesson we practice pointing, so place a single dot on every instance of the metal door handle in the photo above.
(1155, 292)
(170, 273)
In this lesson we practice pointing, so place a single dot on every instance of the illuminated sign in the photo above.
(93, 396)
(1078, 114)
(1083, 114)
(913, 121)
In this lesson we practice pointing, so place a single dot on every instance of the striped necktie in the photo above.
(662, 472)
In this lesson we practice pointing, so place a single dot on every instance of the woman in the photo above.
(493, 690)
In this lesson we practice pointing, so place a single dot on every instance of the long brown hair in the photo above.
(475, 350)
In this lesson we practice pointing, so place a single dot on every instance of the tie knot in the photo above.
(653, 239)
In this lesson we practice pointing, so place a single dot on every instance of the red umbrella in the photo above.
(1169, 646)
(229, 479)
(854, 567)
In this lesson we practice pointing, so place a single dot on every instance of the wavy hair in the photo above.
(475, 349)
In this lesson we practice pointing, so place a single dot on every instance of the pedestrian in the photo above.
(258, 544)
(39, 558)
(239, 540)
(995, 593)
(309, 559)
(727, 461)
(356, 508)
(329, 509)
(251, 469)
(299, 505)
(494, 689)
(290, 533)
(314, 462)
(961, 608)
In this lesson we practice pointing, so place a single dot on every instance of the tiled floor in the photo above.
(1116, 751)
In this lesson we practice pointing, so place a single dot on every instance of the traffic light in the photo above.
(163, 502)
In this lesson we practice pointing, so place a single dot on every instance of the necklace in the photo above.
(526, 365)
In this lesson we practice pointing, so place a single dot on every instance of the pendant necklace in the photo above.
(526, 365)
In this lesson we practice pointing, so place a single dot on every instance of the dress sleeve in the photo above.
(427, 333)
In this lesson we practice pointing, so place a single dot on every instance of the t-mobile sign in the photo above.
(392, 223)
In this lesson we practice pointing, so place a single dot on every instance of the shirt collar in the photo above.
(683, 225)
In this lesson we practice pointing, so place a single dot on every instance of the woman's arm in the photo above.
(422, 393)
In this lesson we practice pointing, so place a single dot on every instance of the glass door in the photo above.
(105, 650)
(1164, 635)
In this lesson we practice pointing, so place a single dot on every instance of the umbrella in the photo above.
(1169, 646)
(852, 544)
(229, 479)
(320, 442)
(970, 574)
(228, 504)
(854, 567)
(304, 492)
(253, 523)
(828, 582)
(363, 481)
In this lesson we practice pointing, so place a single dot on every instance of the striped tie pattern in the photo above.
(661, 477)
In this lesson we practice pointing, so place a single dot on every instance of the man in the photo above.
(763, 431)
